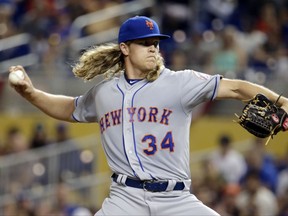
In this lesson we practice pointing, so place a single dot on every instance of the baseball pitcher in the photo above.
(144, 111)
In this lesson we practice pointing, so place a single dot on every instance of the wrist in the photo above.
(32, 95)
(283, 103)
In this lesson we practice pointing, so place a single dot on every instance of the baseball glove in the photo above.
(263, 118)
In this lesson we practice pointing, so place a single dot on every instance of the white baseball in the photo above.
(16, 76)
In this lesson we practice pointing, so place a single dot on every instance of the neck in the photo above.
(132, 73)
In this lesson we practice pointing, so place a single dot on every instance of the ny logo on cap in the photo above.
(149, 24)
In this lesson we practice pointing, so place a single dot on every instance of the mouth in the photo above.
(151, 57)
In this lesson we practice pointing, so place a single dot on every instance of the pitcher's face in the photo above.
(142, 54)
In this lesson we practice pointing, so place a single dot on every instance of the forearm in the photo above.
(244, 90)
(57, 106)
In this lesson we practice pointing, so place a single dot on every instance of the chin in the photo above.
(148, 70)
(151, 66)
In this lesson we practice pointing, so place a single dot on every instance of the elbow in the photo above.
(231, 89)
(66, 113)
(237, 89)
(243, 90)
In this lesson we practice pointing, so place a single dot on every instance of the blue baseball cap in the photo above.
(139, 27)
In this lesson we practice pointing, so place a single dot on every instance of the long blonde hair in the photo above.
(107, 59)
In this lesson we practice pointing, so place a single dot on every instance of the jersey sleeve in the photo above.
(85, 107)
(198, 87)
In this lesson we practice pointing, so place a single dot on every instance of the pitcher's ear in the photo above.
(124, 48)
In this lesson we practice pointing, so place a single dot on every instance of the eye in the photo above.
(143, 43)
(155, 44)
(148, 43)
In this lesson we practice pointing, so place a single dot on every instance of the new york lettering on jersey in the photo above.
(141, 114)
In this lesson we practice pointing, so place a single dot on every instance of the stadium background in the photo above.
(238, 39)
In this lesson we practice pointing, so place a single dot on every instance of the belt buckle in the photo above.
(149, 182)
(154, 188)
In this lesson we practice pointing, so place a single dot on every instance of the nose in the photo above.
(152, 48)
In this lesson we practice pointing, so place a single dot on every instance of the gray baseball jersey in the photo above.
(145, 126)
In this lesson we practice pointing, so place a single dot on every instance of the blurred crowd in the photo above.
(44, 18)
(44, 165)
(234, 182)
(245, 39)
(48, 24)
(238, 39)
(251, 182)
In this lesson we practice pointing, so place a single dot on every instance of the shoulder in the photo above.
(186, 74)
(97, 84)
(102, 81)
(171, 73)
(167, 71)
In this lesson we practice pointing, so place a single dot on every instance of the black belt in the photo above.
(149, 185)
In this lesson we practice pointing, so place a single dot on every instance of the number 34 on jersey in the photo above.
(151, 114)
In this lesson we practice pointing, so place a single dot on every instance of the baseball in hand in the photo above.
(16, 76)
